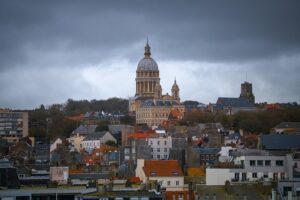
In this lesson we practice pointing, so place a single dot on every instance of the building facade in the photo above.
(249, 166)
(13, 125)
(160, 147)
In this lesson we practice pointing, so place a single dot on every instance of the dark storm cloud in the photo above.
(70, 37)
(198, 30)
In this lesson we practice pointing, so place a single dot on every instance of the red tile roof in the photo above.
(135, 180)
(140, 134)
(162, 168)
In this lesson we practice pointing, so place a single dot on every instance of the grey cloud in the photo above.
(37, 36)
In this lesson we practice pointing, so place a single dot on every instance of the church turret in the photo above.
(147, 49)
(175, 91)
(157, 91)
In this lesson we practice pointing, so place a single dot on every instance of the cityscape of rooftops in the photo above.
(149, 100)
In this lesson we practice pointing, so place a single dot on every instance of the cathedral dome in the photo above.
(147, 64)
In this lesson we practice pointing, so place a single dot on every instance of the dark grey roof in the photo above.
(85, 129)
(151, 102)
(280, 141)
(95, 136)
(288, 125)
(115, 128)
(206, 150)
(89, 176)
(234, 102)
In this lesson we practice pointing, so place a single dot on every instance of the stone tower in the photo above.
(246, 92)
(147, 75)
(158, 91)
(175, 91)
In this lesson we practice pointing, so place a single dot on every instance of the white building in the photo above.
(167, 173)
(249, 165)
(95, 140)
(160, 147)
(292, 182)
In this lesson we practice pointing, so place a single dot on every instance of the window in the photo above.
(127, 151)
(165, 142)
(252, 162)
(244, 176)
(237, 176)
(267, 162)
(158, 156)
(158, 149)
(254, 175)
(259, 163)
(282, 176)
(158, 142)
(151, 149)
(169, 183)
(165, 156)
(151, 143)
(279, 162)
(177, 182)
(165, 150)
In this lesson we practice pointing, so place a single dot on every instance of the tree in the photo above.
(111, 143)
(127, 120)
(102, 126)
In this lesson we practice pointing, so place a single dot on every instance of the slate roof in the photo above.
(85, 129)
(165, 168)
(206, 150)
(233, 102)
(89, 176)
(116, 128)
(280, 141)
(151, 102)
(95, 136)
(288, 125)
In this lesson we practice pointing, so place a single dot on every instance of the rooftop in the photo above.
(234, 102)
(85, 129)
(280, 141)
(288, 125)
(162, 168)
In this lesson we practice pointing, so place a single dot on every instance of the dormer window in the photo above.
(175, 173)
(153, 174)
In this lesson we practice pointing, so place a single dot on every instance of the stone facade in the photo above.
(246, 92)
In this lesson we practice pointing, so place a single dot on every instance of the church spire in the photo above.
(147, 49)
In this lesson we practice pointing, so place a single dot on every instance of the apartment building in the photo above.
(13, 125)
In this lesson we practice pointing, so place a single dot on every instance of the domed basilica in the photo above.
(149, 105)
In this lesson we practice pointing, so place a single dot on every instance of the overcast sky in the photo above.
(54, 50)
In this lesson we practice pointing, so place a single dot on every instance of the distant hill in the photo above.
(111, 105)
